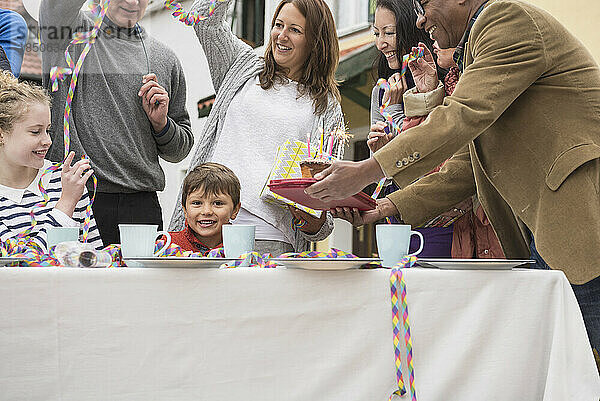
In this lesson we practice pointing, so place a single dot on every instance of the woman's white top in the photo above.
(258, 121)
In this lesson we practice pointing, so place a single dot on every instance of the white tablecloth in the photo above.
(276, 334)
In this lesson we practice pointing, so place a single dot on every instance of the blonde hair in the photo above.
(15, 97)
(317, 76)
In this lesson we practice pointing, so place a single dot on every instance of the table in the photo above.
(279, 334)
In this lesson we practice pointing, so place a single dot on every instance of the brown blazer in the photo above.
(524, 127)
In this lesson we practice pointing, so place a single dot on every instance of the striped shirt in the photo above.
(16, 205)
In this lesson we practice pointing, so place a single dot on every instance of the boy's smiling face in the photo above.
(206, 213)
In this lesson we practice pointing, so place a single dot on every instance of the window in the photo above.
(372, 7)
(350, 15)
(205, 106)
(248, 21)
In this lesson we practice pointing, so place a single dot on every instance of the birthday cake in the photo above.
(310, 167)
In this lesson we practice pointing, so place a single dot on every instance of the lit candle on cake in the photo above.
(331, 144)
(321, 144)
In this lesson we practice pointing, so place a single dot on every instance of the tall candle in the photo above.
(331, 144)
(321, 144)
(308, 144)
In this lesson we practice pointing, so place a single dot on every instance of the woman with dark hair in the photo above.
(262, 102)
(396, 34)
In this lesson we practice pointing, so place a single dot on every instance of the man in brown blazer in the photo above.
(523, 125)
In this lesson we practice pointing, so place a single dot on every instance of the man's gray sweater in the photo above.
(107, 120)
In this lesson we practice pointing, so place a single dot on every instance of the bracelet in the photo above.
(298, 223)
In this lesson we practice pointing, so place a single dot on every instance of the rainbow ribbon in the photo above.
(43, 203)
(298, 223)
(58, 74)
(399, 304)
(417, 53)
(333, 253)
(397, 129)
(88, 211)
(46, 199)
(32, 255)
(190, 18)
(174, 250)
(254, 258)
(376, 193)
(379, 188)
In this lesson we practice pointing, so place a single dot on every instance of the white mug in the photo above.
(393, 241)
(238, 239)
(56, 235)
(137, 240)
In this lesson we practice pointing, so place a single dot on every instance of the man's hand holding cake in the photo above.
(344, 179)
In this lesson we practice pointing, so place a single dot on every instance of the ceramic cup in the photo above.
(137, 240)
(393, 241)
(238, 239)
(56, 235)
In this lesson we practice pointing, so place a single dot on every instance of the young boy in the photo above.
(210, 198)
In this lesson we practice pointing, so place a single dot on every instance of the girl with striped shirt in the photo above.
(24, 142)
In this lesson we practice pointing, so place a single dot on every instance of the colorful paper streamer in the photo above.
(58, 74)
(298, 223)
(400, 320)
(378, 189)
(385, 85)
(190, 18)
(31, 254)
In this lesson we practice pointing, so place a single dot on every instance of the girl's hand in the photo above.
(424, 71)
(72, 180)
(378, 138)
(313, 224)
(397, 88)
